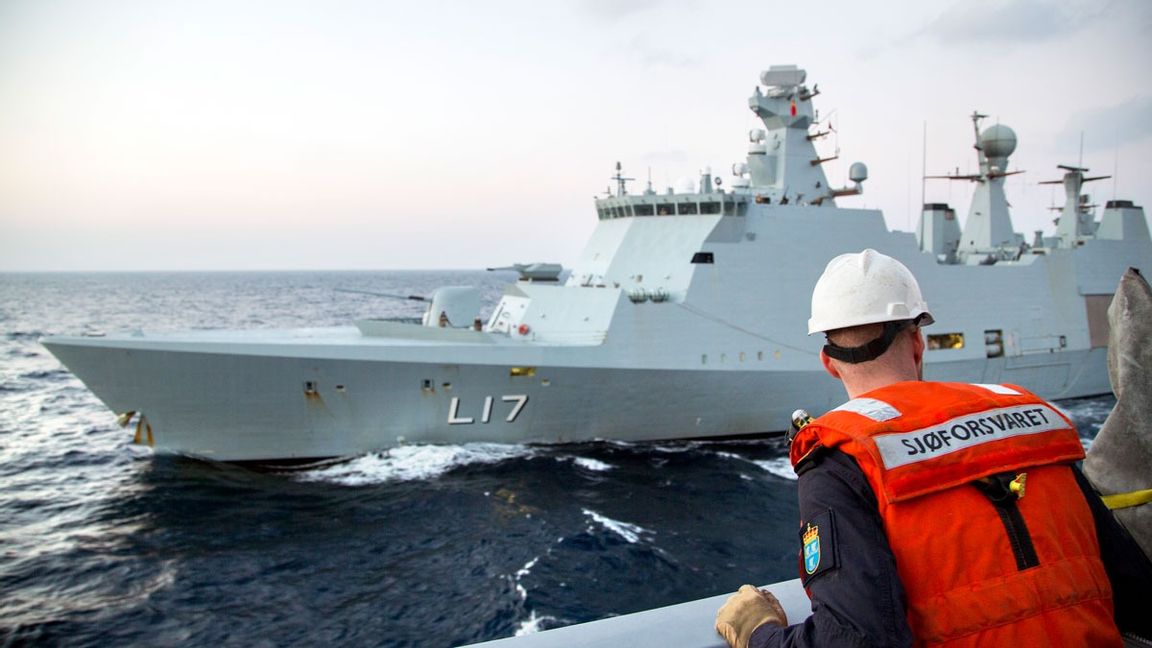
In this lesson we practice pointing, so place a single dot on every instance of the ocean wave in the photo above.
(1087, 413)
(521, 573)
(594, 465)
(533, 624)
(45, 374)
(677, 448)
(9, 387)
(413, 463)
(33, 336)
(630, 532)
(780, 466)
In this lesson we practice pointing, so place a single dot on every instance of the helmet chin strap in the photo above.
(872, 349)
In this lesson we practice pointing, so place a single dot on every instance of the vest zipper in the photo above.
(996, 488)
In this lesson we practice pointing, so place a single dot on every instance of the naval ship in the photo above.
(684, 317)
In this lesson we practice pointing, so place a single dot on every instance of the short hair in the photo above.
(854, 336)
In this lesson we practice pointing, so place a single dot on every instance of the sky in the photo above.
(349, 134)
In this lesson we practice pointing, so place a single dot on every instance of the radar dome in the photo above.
(998, 141)
(858, 172)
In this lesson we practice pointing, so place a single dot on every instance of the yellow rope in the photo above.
(1124, 500)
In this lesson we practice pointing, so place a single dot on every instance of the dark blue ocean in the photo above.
(102, 543)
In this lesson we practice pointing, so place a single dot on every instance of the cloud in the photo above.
(652, 56)
(1011, 22)
(642, 18)
(610, 10)
(1105, 127)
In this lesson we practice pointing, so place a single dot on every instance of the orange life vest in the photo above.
(971, 574)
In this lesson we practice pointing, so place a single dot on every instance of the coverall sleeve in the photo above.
(857, 597)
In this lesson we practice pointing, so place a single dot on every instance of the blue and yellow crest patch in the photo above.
(811, 546)
(817, 546)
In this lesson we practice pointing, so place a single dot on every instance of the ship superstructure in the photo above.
(684, 317)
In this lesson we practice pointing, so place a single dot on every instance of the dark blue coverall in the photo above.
(859, 600)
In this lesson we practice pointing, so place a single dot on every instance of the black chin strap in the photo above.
(873, 349)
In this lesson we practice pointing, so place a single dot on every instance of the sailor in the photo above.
(937, 513)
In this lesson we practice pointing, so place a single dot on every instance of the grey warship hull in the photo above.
(685, 317)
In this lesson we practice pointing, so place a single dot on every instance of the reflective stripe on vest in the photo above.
(941, 435)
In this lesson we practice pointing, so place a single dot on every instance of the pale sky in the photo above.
(273, 134)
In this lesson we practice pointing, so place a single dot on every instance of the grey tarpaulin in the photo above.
(1120, 459)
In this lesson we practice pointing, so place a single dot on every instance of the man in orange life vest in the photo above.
(941, 514)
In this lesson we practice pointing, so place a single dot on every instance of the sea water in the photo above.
(103, 543)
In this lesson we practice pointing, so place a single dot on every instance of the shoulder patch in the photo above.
(810, 460)
(817, 546)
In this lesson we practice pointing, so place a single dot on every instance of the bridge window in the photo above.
(735, 208)
(644, 209)
(994, 343)
(945, 341)
(665, 209)
(709, 208)
(686, 208)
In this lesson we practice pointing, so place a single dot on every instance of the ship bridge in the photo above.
(692, 204)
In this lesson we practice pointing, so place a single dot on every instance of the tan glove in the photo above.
(746, 610)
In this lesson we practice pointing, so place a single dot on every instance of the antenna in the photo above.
(1115, 164)
(1080, 161)
(924, 166)
(621, 189)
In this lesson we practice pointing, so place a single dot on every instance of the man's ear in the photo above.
(918, 345)
(828, 366)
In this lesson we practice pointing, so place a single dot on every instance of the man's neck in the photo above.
(863, 384)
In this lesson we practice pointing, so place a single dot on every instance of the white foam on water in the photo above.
(413, 463)
(521, 573)
(780, 466)
(527, 568)
(630, 532)
(592, 464)
(678, 448)
(619, 443)
(531, 625)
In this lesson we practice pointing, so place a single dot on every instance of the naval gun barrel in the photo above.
(380, 294)
(534, 271)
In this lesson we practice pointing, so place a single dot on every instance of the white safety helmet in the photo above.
(865, 288)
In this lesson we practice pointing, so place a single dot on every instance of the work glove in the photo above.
(746, 610)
